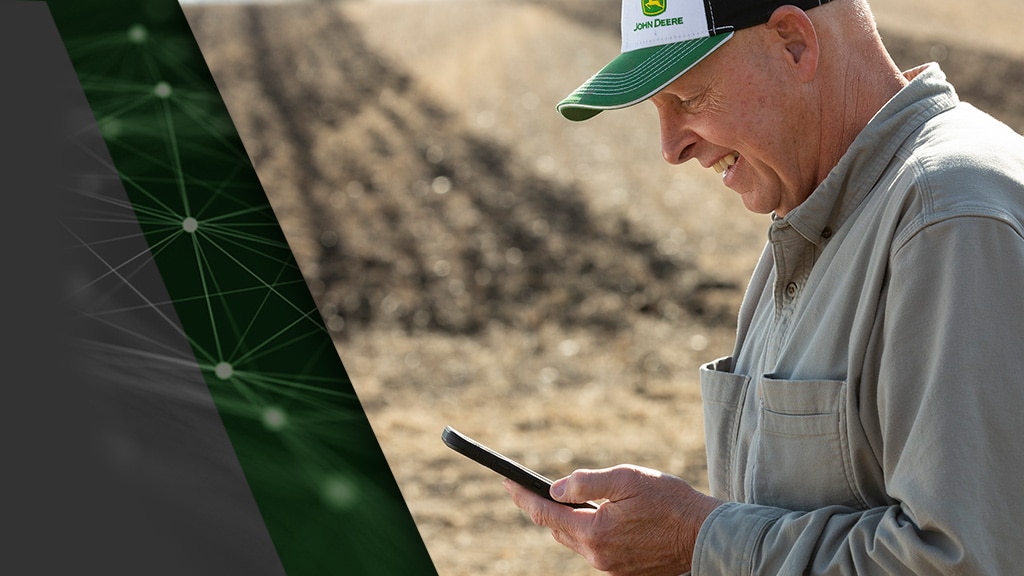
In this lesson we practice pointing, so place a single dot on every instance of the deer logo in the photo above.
(653, 7)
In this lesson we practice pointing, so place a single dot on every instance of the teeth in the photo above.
(726, 162)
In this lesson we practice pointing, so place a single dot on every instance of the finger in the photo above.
(547, 513)
(613, 484)
(542, 511)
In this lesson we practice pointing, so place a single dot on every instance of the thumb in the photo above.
(613, 484)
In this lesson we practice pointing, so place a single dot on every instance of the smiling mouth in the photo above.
(727, 162)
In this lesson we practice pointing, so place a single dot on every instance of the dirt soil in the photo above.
(549, 288)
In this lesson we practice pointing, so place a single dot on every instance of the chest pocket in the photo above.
(799, 458)
(722, 395)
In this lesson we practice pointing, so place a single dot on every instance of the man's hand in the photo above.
(647, 523)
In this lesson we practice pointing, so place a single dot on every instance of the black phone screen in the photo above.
(503, 465)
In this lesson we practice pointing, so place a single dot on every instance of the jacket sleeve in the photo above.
(949, 417)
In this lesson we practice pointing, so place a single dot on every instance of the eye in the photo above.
(687, 103)
(691, 105)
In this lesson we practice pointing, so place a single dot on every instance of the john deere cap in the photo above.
(662, 39)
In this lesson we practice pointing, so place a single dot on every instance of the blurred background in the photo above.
(546, 287)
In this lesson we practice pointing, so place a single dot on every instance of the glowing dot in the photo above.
(223, 370)
(442, 268)
(569, 347)
(137, 33)
(274, 418)
(335, 323)
(513, 255)
(549, 375)
(329, 239)
(190, 224)
(339, 492)
(162, 90)
(111, 128)
(435, 154)
(698, 342)
(441, 185)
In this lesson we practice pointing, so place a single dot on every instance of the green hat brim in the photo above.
(635, 76)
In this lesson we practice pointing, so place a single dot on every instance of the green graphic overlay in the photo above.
(323, 487)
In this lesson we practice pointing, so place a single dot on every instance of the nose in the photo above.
(678, 141)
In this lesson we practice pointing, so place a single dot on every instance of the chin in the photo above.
(764, 201)
(759, 206)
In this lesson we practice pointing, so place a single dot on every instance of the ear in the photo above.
(795, 32)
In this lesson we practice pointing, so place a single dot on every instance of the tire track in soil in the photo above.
(407, 218)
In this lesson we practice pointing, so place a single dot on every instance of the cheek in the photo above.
(762, 137)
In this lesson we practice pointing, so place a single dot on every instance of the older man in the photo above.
(869, 420)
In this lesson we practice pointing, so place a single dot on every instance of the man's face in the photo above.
(738, 112)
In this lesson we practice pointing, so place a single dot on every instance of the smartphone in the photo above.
(502, 465)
